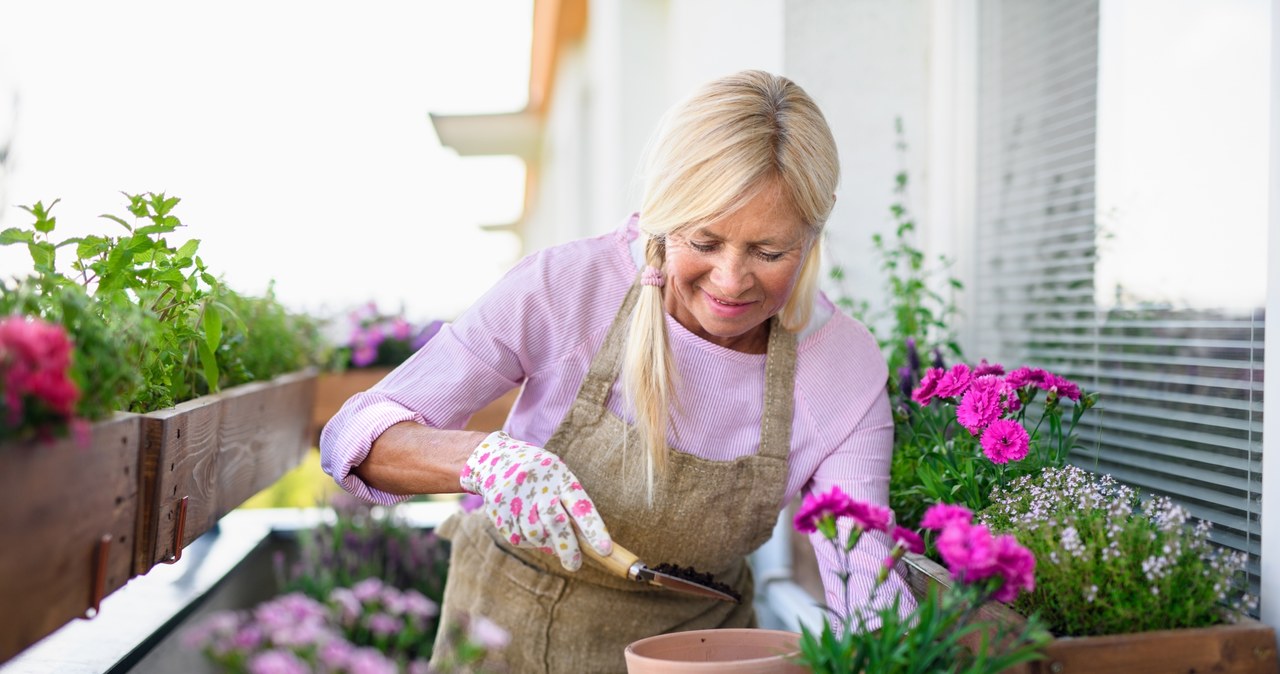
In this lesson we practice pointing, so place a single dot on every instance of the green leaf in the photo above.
(188, 249)
(15, 235)
(209, 362)
(42, 254)
(119, 220)
(212, 327)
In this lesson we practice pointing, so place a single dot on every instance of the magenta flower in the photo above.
(1005, 440)
(908, 540)
(954, 383)
(814, 509)
(984, 368)
(969, 551)
(1065, 387)
(939, 515)
(1027, 376)
(1017, 565)
(928, 385)
(35, 357)
(981, 405)
(870, 516)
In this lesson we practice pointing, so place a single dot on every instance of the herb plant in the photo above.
(176, 324)
(1111, 563)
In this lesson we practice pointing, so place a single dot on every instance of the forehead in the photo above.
(768, 217)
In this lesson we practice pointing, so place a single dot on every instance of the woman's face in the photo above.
(725, 279)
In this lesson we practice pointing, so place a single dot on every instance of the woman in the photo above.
(683, 380)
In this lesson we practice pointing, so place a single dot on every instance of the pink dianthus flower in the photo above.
(870, 516)
(834, 503)
(954, 383)
(1005, 440)
(925, 391)
(981, 405)
(939, 515)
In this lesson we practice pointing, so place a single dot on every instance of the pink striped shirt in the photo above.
(542, 323)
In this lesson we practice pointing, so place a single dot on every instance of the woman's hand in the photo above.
(533, 499)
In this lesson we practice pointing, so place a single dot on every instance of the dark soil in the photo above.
(695, 576)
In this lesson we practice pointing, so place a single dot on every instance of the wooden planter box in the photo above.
(204, 457)
(334, 388)
(67, 521)
(1245, 647)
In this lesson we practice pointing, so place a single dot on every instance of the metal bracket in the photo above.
(178, 531)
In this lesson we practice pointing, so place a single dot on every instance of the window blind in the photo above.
(1181, 388)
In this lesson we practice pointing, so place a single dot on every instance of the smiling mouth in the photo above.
(726, 303)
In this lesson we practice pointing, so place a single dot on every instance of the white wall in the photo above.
(865, 62)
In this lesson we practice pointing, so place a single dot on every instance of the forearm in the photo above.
(410, 458)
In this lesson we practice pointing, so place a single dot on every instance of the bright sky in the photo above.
(295, 132)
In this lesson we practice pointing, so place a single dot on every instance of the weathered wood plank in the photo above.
(217, 451)
(59, 501)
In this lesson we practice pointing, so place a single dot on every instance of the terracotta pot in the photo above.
(745, 651)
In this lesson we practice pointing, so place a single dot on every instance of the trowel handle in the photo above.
(618, 562)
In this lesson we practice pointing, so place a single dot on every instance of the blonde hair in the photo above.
(713, 153)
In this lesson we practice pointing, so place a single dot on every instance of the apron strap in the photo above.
(608, 360)
(779, 392)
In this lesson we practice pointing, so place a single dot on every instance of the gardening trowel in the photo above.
(624, 564)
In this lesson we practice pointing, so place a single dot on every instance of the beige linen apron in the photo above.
(708, 515)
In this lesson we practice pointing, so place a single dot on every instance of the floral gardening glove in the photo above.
(531, 496)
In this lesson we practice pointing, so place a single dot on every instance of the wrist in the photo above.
(480, 461)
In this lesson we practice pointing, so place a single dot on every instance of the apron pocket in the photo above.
(486, 580)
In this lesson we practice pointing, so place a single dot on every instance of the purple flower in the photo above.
(981, 404)
(913, 356)
(906, 380)
(937, 359)
(335, 653)
(1005, 440)
(384, 624)
(954, 383)
(247, 638)
(928, 386)
(363, 355)
(470, 502)
(370, 661)
(908, 540)
(367, 589)
(939, 515)
(487, 633)
(418, 604)
(400, 328)
(814, 509)
(277, 662)
(348, 606)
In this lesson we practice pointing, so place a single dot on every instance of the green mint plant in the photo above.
(1113, 563)
(140, 267)
(181, 330)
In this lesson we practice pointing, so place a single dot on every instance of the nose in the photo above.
(731, 275)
